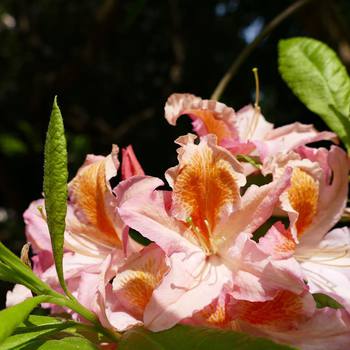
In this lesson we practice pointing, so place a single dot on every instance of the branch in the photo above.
(252, 46)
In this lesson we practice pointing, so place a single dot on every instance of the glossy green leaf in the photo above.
(317, 77)
(194, 338)
(11, 317)
(12, 269)
(55, 186)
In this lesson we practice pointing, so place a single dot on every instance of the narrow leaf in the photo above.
(11, 317)
(24, 335)
(68, 343)
(55, 186)
(317, 77)
(190, 338)
(12, 269)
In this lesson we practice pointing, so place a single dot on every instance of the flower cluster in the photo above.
(224, 251)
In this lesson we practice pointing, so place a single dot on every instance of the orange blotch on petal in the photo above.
(303, 197)
(214, 315)
(203, 187)
(135, 283)
(212, 124)
(91, 197)
(282, 313)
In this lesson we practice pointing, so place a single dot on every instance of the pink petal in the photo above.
(291, 136)
(18, 294)
(144, 209)
(37, 232)
(130, 164)
(257, 206)
(278, 242)
(191, 284)
(208, 116)
(252, 126)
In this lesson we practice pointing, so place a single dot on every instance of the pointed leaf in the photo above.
(55, 186)
(11, 317)
(24, 335)
(12, 269)
(317, 77)
(68, 343)
(198, 338)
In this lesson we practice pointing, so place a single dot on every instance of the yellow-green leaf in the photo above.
(55, 186)
(315, 74)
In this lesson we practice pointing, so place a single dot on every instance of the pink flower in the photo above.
(204, 228)
(314, 203)
(94, 231)
(287, 318)
(244, 132)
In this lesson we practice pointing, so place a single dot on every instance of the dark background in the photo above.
(114, 63)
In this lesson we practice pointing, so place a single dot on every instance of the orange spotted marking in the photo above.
(282, 313)
(203, 187)
(303, 196)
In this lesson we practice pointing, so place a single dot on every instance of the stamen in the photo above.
(323, 261)
(257, 109)
(199, 236)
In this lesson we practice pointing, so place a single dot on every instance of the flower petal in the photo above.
(130, 164)
(205, 185)
(209, 116)
(91, 196)
(138, 277)
(191, 284)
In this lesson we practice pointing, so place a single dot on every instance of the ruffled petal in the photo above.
(208, 116)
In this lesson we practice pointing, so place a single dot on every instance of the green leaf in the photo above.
(12, 269)
(24, 335)
(317, 77)
(11, 317)
(68, 343)
(55, 186)
(194, 338)
(323, 300)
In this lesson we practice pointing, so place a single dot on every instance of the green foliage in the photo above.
(190, 338)
(38, 331)
(55, 186)
(323, 300)
(12, 269)
(317, 77)
(11, 145)
(68, 343)
(11, 317)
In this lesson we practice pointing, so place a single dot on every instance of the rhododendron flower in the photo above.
(204, 227)
(94, 230)
(294, 320)
(242, 132)
(121, 305)
(287, 318)
(314, 203)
